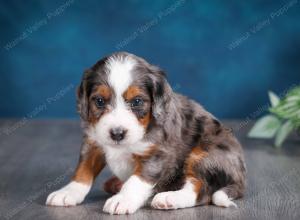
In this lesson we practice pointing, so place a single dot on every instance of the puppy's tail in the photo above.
(224, 196)
(220, 198)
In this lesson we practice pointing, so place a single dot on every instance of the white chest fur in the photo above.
(120, 159)
(120, 162)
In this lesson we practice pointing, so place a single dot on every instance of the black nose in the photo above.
(117, 134)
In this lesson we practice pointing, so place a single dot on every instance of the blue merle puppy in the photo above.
(157, 143)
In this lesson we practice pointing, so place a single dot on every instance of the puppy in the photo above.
(155, 142)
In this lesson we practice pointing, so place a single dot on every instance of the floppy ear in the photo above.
(161, 95)
(82, 97)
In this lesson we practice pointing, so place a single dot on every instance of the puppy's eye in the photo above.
(137, 102)
(100, 103)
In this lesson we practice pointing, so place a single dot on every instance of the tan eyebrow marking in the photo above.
(132, 92)
(104, 91)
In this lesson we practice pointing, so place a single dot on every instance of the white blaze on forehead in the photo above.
(119, 73)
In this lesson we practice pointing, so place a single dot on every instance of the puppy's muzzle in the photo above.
(117, 134)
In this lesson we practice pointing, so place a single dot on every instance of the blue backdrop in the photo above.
(224, 54)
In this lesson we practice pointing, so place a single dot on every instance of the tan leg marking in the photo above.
(194, 157)
(89, 166)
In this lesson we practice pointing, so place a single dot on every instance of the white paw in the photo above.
(174, 200)
(220, 198)
(120, 204)
(70, 195)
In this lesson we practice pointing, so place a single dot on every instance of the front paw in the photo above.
(70, 195)
(120, 204)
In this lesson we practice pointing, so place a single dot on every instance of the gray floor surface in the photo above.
(38, 157)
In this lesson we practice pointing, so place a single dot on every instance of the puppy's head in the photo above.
(120, 97)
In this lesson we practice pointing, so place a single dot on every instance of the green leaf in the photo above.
(266, 127)
(274, 99)
(283, 132)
